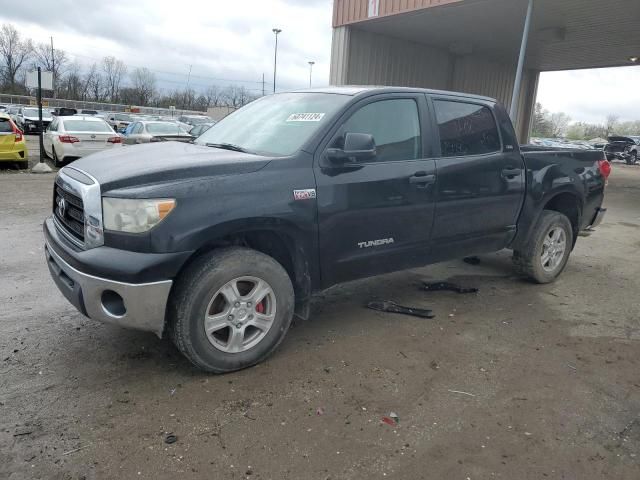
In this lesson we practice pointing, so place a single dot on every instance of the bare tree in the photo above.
(559, 123)
(94, 83)
(72, 86)
(14, 52)
(53, 61)
(236, 96)
(144, 85)
(114, 71)
(214, 96)
(611, 124)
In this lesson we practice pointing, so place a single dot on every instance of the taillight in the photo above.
(605, 168)
(114, 140)
(16, 131)
(68, 139)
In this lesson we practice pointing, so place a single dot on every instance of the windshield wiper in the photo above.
(227, 146)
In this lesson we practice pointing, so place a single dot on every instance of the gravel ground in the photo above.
(520, 381)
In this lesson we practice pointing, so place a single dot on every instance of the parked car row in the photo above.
(626, 149)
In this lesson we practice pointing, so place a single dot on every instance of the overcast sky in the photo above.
(230, 41)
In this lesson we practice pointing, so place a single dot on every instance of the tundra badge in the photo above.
(375, 243)
(304, 194)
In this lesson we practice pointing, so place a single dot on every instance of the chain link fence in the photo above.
(6, 99)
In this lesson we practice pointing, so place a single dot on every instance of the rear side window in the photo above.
(395, 126)
(466, 129)
(5, 126)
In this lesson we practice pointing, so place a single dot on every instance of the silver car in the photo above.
(145, 132)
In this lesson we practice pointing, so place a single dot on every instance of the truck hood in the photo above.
(139, 165)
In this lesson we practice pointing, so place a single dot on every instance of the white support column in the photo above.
(515, 99)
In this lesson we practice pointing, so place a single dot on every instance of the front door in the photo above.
(481, 182)
(375, 216)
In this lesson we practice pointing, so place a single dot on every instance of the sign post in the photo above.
(41, 166)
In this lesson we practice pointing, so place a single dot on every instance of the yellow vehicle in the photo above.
(12, 145)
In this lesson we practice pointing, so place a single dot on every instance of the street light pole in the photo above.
(275, 58)
(311, 64)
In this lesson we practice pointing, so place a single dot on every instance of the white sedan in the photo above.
(69, 138)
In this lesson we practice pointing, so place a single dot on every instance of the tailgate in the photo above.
(7, 142)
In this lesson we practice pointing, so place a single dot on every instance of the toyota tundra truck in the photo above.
(218, 244)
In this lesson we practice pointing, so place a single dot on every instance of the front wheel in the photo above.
(546, 254)
(230, 309)
(633, 158)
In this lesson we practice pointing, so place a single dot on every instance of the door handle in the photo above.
(421, 178)
(511, 172)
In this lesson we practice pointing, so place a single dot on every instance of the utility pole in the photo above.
(263, 93)
(53, 69)
(186, 92)
(275, 58)
(311, 64)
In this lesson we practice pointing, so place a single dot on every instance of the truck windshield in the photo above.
(275, 125)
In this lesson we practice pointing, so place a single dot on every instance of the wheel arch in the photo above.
(568, 204)
(281, 240)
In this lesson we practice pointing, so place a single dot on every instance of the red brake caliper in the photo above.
(260, 307)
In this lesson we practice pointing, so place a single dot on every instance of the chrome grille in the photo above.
(68, 209)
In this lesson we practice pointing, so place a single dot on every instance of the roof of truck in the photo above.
(354, 90)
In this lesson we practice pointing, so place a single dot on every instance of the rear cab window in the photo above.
(466, 129)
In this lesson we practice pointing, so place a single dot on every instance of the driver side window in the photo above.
(395, 126)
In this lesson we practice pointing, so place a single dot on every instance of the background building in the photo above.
(473, 45)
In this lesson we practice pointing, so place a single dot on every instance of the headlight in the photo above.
(135, 216)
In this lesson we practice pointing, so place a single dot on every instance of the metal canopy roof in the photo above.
(565, 34)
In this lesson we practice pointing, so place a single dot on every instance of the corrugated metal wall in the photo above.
(379, 60)
(349, 11)
(364, 58)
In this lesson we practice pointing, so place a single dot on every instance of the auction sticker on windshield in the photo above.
(305, 117)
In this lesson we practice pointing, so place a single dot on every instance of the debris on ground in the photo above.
(392, 307)
(389, 421)
(471, 260)
(394, 416)
(170, 438)
(463, 393)
(320, 411)
(447, 286)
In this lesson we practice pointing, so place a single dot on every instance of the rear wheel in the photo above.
(633, 158)
(54, 156)
(546, 254)
(230, 309)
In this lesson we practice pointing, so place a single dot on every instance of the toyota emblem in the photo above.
(62, 207)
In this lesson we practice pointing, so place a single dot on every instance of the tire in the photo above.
(198, 293)
(23, 165)
(54, 156)
(633, 158)
(529, 260)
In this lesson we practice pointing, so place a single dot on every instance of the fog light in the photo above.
(113, 303)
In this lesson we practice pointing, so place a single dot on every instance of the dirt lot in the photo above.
(518, 382)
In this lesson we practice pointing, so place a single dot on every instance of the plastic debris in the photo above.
(392, 307)
(170, 438)
(447, 286)
(395, 417)
(388, 421)
(320, 411)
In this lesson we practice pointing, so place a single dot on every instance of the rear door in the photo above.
(376, 216)
(481, 180)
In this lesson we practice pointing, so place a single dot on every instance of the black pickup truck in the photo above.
(218, 244)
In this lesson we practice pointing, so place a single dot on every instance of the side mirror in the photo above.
(357, 147)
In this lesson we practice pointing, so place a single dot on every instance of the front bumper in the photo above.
(137, 306)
